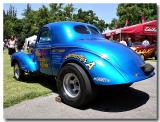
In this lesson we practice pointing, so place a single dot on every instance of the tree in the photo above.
(68, 12)
(9, 21)
(112, 25)
(30, 24)
(8, 29)
(102, 25)
(90, 17)
(55, 11)
(12, 13)
(43, 16)
(134, 12)
(27, 10)
(33, 20)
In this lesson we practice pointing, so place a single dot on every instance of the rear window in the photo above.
(93, 30)
(81, 29)
(86, 30)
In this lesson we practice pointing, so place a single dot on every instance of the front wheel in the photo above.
(18, 73)
(74, 86)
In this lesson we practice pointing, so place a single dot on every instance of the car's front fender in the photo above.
(27, 62)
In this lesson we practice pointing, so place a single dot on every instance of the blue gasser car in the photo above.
(80, 58)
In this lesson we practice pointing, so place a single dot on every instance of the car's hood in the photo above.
(117, 54)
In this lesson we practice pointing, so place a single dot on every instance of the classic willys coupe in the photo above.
(80, 59)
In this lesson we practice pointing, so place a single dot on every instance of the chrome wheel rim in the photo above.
(16, 71)
(71, 85)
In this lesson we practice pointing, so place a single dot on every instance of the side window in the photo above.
(45, 36)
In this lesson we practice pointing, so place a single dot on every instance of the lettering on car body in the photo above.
(42, 60)
(101, 79)
(82, 59)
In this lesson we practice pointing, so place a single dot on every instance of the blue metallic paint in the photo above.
(115, 63)
(27, 62)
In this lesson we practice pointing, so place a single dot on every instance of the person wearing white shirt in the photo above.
(123, 42)
(11, 46)
(145, 43)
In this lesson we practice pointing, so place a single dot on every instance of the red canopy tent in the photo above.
(147, 28)
(144, 29)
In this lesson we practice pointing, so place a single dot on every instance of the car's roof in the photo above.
(65, 23)
(66, 28)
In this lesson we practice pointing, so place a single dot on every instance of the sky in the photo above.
(105, 11)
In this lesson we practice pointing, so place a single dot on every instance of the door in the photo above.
(43, 51)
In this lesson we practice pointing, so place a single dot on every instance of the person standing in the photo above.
(129, 42)
(11, 46)
(20, 44)
(111, 38)
(145, 42)
(123, 42)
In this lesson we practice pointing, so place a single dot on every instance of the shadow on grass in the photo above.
(44, 80)
(119, 101)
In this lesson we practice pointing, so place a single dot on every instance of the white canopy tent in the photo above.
(30, 41)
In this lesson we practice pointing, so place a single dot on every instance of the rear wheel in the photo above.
(18, 73)
(74, 86)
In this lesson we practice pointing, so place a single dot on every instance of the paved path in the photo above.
(138, 102)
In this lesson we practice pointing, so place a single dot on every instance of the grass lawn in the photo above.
(31, 87)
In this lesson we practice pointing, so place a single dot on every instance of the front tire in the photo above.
(18, 73)
(74, 86)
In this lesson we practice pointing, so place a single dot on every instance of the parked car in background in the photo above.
(145, 51)
(81, 59)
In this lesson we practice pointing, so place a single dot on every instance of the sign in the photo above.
(150, 28)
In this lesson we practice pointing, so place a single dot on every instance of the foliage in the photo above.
(9, 19)
(90, 17)
(134, 12)
(33, 20)
(112, 24)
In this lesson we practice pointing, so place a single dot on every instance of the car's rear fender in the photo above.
(99, 70)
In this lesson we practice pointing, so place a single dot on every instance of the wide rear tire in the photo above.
(74, 86)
